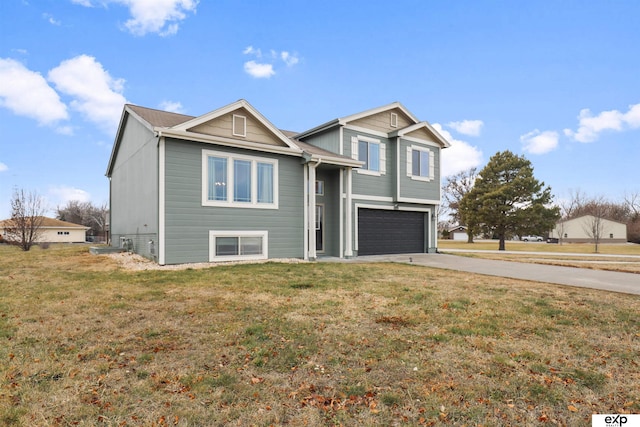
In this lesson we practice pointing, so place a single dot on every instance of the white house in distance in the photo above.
(53, 231)
(577, 230)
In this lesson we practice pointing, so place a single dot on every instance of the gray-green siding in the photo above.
(187, 222)
(134, 189)
(414, 189)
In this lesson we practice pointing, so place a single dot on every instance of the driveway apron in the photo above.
(581, 277)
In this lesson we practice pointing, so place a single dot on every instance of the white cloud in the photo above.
(171, 106)
(289, 59)
(97, 95)
(51, 19)
(536, 142)
(460, 156)
(3, 167)
(61, 195)
(152, 16)
(265, 68)
(467, 127)
(259, 71)
(249, 50)
(27, 93)
(591, 126)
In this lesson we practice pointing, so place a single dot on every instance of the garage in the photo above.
(390, 232)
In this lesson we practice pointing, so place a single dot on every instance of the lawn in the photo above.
(612, 257)
(85, 342)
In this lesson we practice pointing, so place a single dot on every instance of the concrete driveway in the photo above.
(582, 277)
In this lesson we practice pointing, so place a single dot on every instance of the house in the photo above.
(229, 185)
(458, 233)
(579, 230)
(51, 231)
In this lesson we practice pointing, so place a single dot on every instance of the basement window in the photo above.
(238, 245)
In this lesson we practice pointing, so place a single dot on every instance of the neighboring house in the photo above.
(577, 230)
(51, 231)
(458, 233)
(229, 185)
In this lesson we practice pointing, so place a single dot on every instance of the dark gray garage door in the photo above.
(390, 232)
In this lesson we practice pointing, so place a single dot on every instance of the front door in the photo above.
(320, 228)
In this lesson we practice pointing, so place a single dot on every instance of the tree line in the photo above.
(25, 226)
(504, 200)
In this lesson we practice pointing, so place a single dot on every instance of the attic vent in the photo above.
(394, 120)
(239, 125)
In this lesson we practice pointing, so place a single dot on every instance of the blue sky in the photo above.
(556, 81)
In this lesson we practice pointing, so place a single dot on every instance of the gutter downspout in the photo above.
(161, 198)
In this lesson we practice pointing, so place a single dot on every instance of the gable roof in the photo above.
(48, 223)
(165, 123)
(422, 125)
(412, 123)
(238, 105)
(583, 217)
(158, 118)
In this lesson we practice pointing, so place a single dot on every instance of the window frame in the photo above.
(239, 234)
(319, 188)
(382, 156)
(230, 200)
(431, 159)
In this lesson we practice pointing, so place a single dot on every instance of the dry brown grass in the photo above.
(87, 343)
(614, 257)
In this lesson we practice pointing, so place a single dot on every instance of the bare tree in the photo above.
(453, 191)
(27, 216)
(595, 226)
(632, 202)
(87, 214)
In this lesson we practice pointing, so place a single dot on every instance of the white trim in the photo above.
(228, 142)
(397, 174)
(348, 251)
(183, 127)
(341, 141)
(420, 201)
(240, 233)
(365, 130)
(381, 109)
(230, 158)
(161, 201)
(393, 120)
(420, 141)
(320, 206)
(372, 198)
(305, 214)
(312, 212)
(382, 151)
(341, 213)
(244, 126)
(431, 171)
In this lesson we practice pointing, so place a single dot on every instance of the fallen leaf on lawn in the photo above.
(572, 408)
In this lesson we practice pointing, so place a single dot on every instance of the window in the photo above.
(320, 188)
(371, 152)
(237, 245)
(420, 163)
(239, 181)
(394, 120)
(239, 125)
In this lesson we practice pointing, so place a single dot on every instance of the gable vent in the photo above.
(394, 120)
(239, 125)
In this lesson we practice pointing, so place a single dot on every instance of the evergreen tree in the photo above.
(507, 200)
